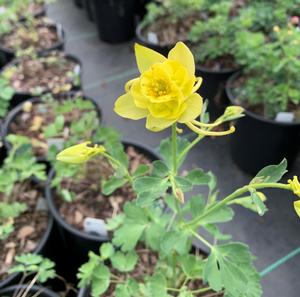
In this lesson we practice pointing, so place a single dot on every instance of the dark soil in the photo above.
(40, 35)
(42, 74)
(237, 5)
(169, 33)
(33, 123)
(89, 201)
(219, 64)
(35, 8)
(29, 227)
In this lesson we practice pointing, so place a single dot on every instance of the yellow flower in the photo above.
(295, 185)
(165, 92)
(80, 153)
(297, 207)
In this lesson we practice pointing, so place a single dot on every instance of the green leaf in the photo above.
(100, 280)
(183, 183)
(157, 286)
(160, 169)
(141, 170)
(106, 250)
(114, 183)
(175, 241)
(215, 232)
(153, 235)
(192, 266)
(271, 173)
(260, 206)
(128, 235)
(115, 222)
(198, 177)
(124, 262)
(230, 267)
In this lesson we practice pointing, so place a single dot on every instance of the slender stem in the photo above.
(174, 148)
(202, 239)
(171, 221)
(234, 195)
(202, 290)
(113, 160)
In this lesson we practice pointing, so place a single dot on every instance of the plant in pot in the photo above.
(53, 122)
(81, 199)
(214, 44)
(25, 224)
(33, 75)
(41, 34)
(268, 90)
(151, 253)
(116, 14)
(167, 22)
(36, 270)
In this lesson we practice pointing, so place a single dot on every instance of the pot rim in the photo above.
(34, 289)
(60, 42)
(37, 250)
(248, 112)
(18, 109)
(55, 213)
(73, 58)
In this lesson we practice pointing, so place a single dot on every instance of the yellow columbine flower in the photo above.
(165, 92)
(80, 153)
(295, 185)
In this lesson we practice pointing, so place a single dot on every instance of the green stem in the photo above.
(202, 290)
(113, 160)
(202, 239)
(174, 149)
(235, 194)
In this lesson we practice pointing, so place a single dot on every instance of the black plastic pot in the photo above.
(6, 54)
(3, 151)
(115, 19)
(76, 242)
(78, 3)
(259, 142)
(143, 40)
(20, 97)
(141, 9)
(19, 109)
(89, 9)
(43, 248)
(213, 89)
(9, 292)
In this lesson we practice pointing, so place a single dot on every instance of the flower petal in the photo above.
(194, 108)
(126, 108)
(181, 53)
(158, 124)
(146, 57)
(297, 207)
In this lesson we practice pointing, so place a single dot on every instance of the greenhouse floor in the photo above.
(105, 69)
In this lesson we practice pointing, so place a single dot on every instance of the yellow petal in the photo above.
(181, 53)
(146, 57)
(194, 108)
(157, 124)
(126, 108)
(80, 153)
(297, 207)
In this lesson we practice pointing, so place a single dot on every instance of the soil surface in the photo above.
(259, 109)
(39, 35)
(29, 227)
(33, 123)
(169, 33)
(35, 8)
(89, 201)
(52, 73)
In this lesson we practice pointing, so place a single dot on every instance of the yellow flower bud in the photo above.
(80, 153)
(295, 185)
(276, 29)
(27, 106)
